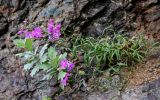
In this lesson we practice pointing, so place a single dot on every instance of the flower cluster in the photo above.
(35, 33)
(66, 65)
(54, 31)
(65, 79)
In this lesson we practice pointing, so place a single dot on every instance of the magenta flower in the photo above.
(28, 34)
(65, 79)
(57, 32)
(57, 29)
(54, 30)
(63, 64)
(50, 26)
(20, 32)
(54, 37)
(70, 66)
(37, 32)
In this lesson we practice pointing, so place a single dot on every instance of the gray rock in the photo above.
(153, 14)
(3, 24)
(90, 17)
(148, 91)
(120, 14)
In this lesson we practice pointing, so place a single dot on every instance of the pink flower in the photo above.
(54, 37)
(65, 79)
(50, 26)
(20, 32)
(37, 32)
(28, 34)
(63, 64)
(54, 30)
(70, 66)
(57, 29)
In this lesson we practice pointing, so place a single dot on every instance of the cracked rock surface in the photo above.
(89, 17)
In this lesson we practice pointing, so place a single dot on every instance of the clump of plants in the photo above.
(44, 57)
(110, 53)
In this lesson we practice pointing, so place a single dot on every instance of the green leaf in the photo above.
(121, 64)
(27, 55)
(47, 77)
(62, 86)
(28, 44)
(44, 66)
(34, 71)
(61, 75)
(90, 61)
(52, 53)
(55, 62)
(115, 69)
(81, 72)
(42, 50)
(29, 65)
(19, 43)
(36, 49)
(43, 58)
(20, 54)
(63, 56)
(46, 98)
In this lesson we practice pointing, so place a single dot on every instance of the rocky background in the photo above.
(88, 17)
(91, 17)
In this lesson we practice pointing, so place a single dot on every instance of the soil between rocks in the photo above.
(145, 72)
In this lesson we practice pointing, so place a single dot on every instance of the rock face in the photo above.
(3, 24)
(91, 17)
(149, 91)
(12, 13)
(126, 16)
(15, 85)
